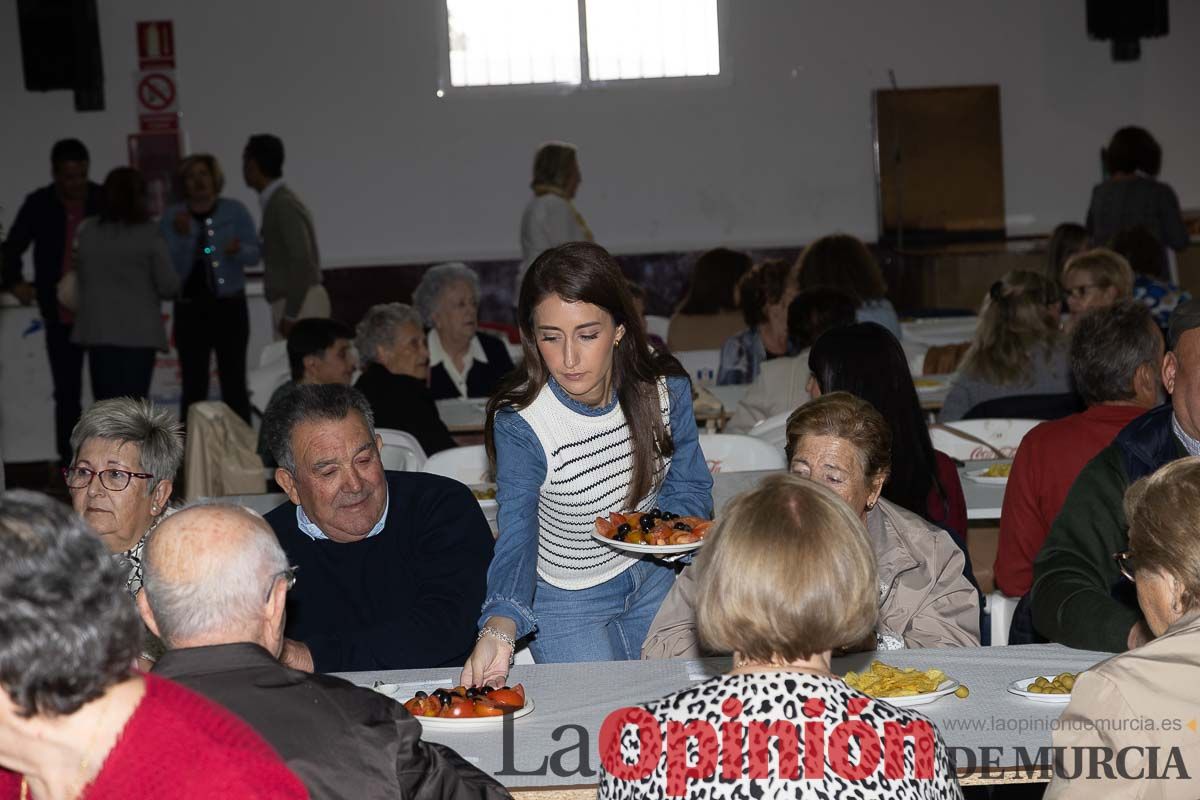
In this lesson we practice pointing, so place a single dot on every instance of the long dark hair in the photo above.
(714, 282)
(581, 272)
(865, 360)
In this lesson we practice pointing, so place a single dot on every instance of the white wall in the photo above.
(778, 155)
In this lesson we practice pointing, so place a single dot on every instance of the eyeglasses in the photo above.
(1127, 563)
(288, 574)
(115, 480)
(1079, 292)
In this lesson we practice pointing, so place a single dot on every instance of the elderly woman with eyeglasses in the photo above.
(1156, 681)
(127, 452)
(463, 361)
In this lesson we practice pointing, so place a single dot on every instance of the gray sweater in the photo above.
(124, 274)
(1051, 374)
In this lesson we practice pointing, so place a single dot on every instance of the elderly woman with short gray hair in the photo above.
(463, 361)
(127, 453)
(391, 343)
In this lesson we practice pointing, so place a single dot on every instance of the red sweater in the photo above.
(953, 514)
(1049, 459)
(179, 745)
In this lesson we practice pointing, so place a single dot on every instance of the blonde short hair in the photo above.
(209, 161)
(1163, 514)
(787, 573)
(1106, 267)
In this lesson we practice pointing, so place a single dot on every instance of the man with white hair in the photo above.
(215, 583)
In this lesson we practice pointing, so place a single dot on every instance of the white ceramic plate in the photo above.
(1018, 688)
(944, 688)
(980, 476)
(473, 723)
(655, 549)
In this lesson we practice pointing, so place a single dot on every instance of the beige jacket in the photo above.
(780, 388)
(924, 600)
(1113, 705)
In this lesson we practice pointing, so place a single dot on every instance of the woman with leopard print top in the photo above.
(789, 578)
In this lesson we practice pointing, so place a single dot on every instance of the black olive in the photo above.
(619, 536)
(668, 516)
(682, 526)
(624, 527)
(646, 523)
(420, 695)
(656, 512)
(486, 690)
(472, 693)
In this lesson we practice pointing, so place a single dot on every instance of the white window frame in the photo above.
(445, 87)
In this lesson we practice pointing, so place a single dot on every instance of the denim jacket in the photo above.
(229, 219)
(521, 470)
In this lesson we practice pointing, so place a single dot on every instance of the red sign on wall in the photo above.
(156, 44)
(155, 87)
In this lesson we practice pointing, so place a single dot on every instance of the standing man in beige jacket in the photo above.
(292, 276)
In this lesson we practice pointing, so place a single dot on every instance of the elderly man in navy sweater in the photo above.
(392, 566)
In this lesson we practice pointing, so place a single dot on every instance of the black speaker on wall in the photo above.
(60, 49)
(1126, 23)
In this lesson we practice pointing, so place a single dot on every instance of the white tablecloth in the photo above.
(584, 694)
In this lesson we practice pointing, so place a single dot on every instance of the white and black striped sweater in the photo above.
(589, 464)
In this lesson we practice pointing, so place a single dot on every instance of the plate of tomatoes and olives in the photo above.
(652, 531)
(463, 708)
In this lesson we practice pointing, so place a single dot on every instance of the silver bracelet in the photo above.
(487, 630)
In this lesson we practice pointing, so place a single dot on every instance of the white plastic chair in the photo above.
(401, 450)
(272, 353)
(657, 326)
(772, 430)
(732, 452)
(467, 465)
(1001, 607)
(980, 437)
(700, 363)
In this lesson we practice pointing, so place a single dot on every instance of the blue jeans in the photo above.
(607, 622)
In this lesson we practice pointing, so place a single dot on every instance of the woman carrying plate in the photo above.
(592, 422)
(842, 442)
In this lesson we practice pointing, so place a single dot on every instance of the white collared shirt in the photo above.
(438, 355)
(264, 196)
(314, 532)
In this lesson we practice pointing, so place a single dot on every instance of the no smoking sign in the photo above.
(156, 93)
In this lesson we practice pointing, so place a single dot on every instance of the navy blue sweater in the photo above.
(405, 598)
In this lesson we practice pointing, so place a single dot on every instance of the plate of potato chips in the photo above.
(996, 474)
(1045, 688)
(903, 686)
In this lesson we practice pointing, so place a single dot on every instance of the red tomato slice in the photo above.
(617, 519)
(416, 707)
(605, 528)
(509, 699)
(701, 528)
(484, 707)
(459, 707)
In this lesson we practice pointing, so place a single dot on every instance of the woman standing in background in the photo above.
(124, 274)
(550, 218)
(211, 240)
